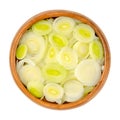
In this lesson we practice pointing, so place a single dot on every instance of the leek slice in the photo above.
(54, 72)
(42, 27)
(96, 50)
(64, 25)
(35, 88)
(51, 55)
(53, 92)
(84, 33)
(88, 72)
(57, 40)
(73, 90)
(21, 51)
(29, 73)
(68, 58)
(82, 49)
(36, 46)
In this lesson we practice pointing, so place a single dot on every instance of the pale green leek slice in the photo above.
(53, 92)
(88, 72)
(57, 40)
(68, 58)
(73, 90)
(21, 51)
(96, 50)
(64, 25)
(54, 72)
(42, 27)
(82, 49)
(84, 33)
(36, 88)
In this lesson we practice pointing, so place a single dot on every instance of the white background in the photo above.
(14, 104)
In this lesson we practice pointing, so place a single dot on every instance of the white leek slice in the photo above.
(36, 46)
(64, 25)
(88, 72)
(21, 51)
(96, 50)
(53, 92)
(58, 40)
(35, 88)
(84, 33)
(54, 72)
(68, 58)
(30, 73)
(42, 27)
(73, 90)
(82, 49)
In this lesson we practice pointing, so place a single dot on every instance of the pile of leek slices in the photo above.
(60, 59)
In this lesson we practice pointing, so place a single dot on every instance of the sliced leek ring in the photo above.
(29, 73)
(36, 88)
(68, 58)
(53, 92)
(57, 40)
(64, 25)
(21, 51)
(88, 72)
(54, 72)
(73, 90)
(82, 49)
(42, 27)
(84, 33)
(96, 50)
(36, 46)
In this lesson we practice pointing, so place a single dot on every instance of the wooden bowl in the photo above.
(56, 13)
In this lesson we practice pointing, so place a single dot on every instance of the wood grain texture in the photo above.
(56, 13)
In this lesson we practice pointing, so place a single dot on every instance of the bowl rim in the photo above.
(57, 13)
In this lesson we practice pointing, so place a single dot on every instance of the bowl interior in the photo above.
(54, 14)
